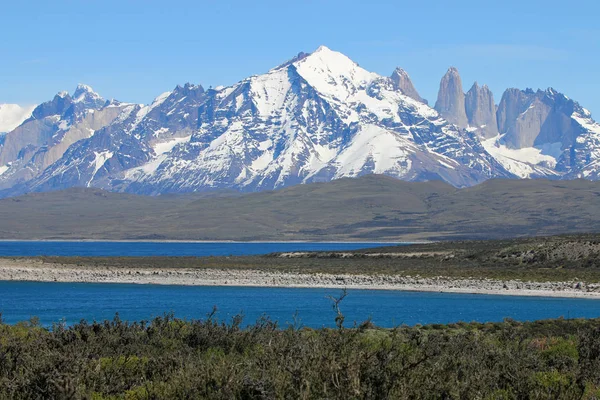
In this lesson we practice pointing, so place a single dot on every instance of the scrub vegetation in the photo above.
(170, 358)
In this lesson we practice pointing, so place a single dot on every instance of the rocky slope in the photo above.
(51, 129)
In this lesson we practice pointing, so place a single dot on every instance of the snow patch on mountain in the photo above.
(386, 151)
(85, 93)
(525, 162)
(98, 162)
(333, 74)
(166, 147)
(585, 120)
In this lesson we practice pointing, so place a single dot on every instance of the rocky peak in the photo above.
(188, 89)
(481, 110)
(401, 81)
(57, 106)
(85, 96)
(332, 74)
(451, 99)
(302, 55)
(528, 118)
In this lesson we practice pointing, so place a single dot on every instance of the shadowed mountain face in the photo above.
(367, 208)
(315, 118)
(481, 111)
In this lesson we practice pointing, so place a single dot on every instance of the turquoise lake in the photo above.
(71, 302)
(52, 302)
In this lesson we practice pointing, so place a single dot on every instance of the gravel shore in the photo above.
(37, 270)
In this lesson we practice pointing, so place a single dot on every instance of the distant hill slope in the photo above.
(368, 208)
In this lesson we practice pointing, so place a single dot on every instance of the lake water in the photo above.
(59, 248)
(52, 302)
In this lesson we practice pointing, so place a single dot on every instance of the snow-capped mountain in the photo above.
(13, 115)
(53, 126)
(317, 117)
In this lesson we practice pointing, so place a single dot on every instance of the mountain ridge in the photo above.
(317, 117)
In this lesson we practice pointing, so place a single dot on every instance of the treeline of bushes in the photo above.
(170, 358)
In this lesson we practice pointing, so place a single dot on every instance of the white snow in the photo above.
(64, 125)
(385, 149)
(166, 147)
(526, 161)
(268, 91)
(161, 150)
(13, 115)
(287, 137)
(86, 92)
(100, 159)
(587, 122)
(333, 74)
(3, 169)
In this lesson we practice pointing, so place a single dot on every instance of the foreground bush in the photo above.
(168, 358)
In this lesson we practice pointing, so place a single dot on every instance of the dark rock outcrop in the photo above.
(402, 82)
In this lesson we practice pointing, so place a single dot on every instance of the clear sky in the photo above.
(134, 50)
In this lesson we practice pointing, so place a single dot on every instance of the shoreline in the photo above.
(386, 242)
(32, 270)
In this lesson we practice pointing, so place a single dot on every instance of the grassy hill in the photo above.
(367, 208)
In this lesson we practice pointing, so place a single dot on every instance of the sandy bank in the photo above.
(36, 270)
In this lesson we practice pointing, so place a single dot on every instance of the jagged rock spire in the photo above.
(402, 82)
(481, 110)
(451, 99)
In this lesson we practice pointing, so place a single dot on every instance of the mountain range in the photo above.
(315, 118)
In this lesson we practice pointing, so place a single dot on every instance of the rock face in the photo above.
(481, 111)
(53, 126)
(544, 133)
(528, 118)
(451, 99)
(402, 82)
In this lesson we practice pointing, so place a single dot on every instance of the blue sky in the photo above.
(135, 50)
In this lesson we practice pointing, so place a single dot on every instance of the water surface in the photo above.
(123, 249)
(72, 302)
